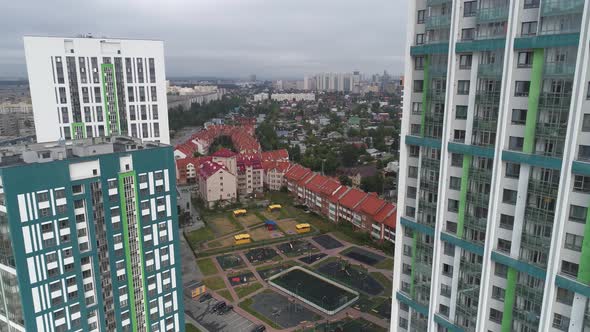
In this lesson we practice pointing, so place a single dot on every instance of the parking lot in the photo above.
(229, 322)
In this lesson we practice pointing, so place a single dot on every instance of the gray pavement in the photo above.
(201, 312)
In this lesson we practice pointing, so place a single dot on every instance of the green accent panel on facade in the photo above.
(79, 125)
(480, 45)
(423, 141)
(413, 264)
(441, 48)
(463, 195)
(412, 304)
(104, 97)
(440, 320)
(469, 246)
(417, 227)
(532, 159)
(572, 285)
(533, 101)
(584, 270)
(425, 91)
(519, 265)
(509, 298)
(581, 168)
(472, 150)
(547, 41)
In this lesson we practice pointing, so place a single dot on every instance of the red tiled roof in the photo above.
(297, 172)
(352, 198)
(306, 178)
(330, 186)
(248, 160)
(316, 183)
(336, 196)
(275, 155)
(182, 163)
(280, 166)
(371, 205)
(224, 153)
(387, 215)
(208, 168)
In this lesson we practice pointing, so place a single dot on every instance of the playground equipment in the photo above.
(270, 225)
(239, 212)
(302, 228)
(242, 239)
(274, 207)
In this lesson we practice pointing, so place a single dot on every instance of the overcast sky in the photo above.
(225, 38)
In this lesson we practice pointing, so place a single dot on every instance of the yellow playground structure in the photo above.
(274, 207)
(239, 212)
(242, 239)
(302, 228)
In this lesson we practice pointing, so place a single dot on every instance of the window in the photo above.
(453, 205)
(500, 270)
(518, 116)
(509, 196)
(569, 268)
(498, 293)
(443, 310)
(451, 227)
(531, 4)
(561, 322)
(515, 143)
(414, 151)
(461, 112)
(463, 87)
(495, 315)
(512, 170)
(586, 123)
(445, 290)
(407, 250)
(416, 108)
(584, 153)
(419, 39)
(578, 213)
(447, 270)
(411, 192)
(419, 63)
(506, 221)
(582, 183)
(413, 172)
(465, 61)
(418, 86)
(421, 16)
(504, 245)
(529, 28)
(573, 242)
(155, 112)
(522, 88)
(587, 93)
(525, 59)
(565, 296)
(455, 183)
(467, 34)
(470, 9)
(448, 249)
(459, 136)
(410, 211)
(457, 160)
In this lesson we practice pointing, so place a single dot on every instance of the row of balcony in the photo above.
(561, 7)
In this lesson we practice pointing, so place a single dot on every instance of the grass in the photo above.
(246, 306)
(386, 283)
(207, 266)
(200, 235)
(243, 291)
(214, 283)
(226, 295)
(214, 244)
(386, 264)
(191, 328)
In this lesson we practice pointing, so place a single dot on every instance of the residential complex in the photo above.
(16, 120)
(89, 87)
(89, 237)
(495, 168)
(340, 82)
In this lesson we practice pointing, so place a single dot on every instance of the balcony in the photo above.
(480, 174)
(487, 97)
(536, 243)
(479, 224)
(437, 95)
(494, 14)
(493, 70)
(437, 71)
(538, 216)
(526, 316)
(555, 101)
(440, 21)
(561, 7)
(431, 3)
(534, 294)
(559, 69)
(484, 124)
(544, 187)
(431, 163)
(551, 131)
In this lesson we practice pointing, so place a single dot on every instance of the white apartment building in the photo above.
(494, 218)
(293, 96)
(87, 87)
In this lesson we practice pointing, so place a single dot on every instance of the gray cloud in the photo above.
(233, 38)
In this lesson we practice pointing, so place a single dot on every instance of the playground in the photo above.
(312, 258)
(248, 219)
(281, 310)
(260, 255)
(297, 248)
(221, 225)
(363, 256)
(230, 262)
(327, 242)
(262, 233)
(240, 278)
(288, 226)
(352, 276)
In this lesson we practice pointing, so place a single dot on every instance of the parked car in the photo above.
(225, 309)
(217, 306)
(259, 328)
(204, 297)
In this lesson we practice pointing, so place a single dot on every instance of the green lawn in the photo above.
(226, 294)
(197, 236)
(386, 264)
(243, 291)
(191, 328)
(207, 266)
(214, 283)
(246, 306)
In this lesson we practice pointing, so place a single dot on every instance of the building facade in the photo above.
(89, 237)
(495, 174)
(16, 120)
(91, 87)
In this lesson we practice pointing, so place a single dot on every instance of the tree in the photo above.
(372, 183)
(345, 180)
(350, 155)
(267, 136)
(295, 153)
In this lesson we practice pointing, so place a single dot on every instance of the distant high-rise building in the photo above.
(337, 82)
(89, 237)
(90, 87)
(494, 228)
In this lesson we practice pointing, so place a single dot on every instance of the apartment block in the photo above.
(495, 168)
(89, 237)
(89, 87)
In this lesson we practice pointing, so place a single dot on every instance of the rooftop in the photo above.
(60, 150)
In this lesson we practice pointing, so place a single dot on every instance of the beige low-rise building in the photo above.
(216, 184)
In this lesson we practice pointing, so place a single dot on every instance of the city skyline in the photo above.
(237, 42)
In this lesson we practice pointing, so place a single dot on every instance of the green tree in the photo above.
(350, 155)
(345, 180)
(372, 183)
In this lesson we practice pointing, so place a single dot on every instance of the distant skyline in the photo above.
(225, 38)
